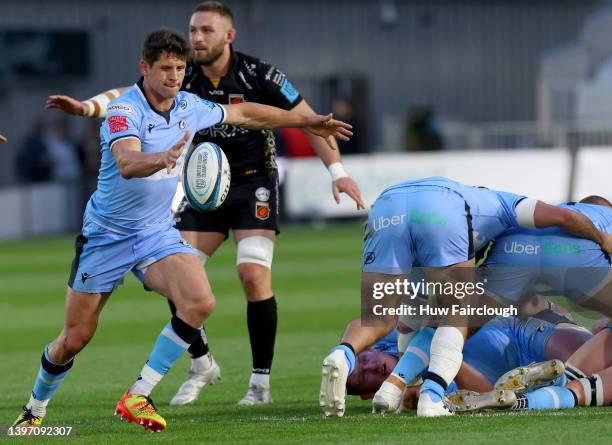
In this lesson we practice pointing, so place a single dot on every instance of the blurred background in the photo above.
(510, 94)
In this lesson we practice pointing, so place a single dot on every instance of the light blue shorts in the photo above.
(103, 257)
(506, 343)
(419, 226)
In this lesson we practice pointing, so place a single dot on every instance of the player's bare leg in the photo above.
(254, 266)
(81, 319)
(204, 370)
(182, 277)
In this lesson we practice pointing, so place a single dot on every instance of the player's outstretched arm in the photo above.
(92, 107)
(134, 163)
(258, 117)
(574, 223)
(2, 138)
(328, 152)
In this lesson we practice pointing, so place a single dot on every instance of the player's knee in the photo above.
(251, 275)
(255, 250)
(73, 341)
(201, 305)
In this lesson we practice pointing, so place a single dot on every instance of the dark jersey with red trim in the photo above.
(251, 153)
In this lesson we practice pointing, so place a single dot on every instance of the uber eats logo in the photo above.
(413, 217)
(546, 248)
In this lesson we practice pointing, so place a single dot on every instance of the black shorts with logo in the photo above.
(251, 205)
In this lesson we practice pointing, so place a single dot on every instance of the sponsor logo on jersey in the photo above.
(279, 78)
(150, 127)
(269, 73)
(262, 194)
(250, 67)
(182, 124)
(223, 131)
(119, 107)
(117, 124)
(383, 222)
(235, 99)
(216, 92)
(289, 91)
(548, 248)
(262, 210)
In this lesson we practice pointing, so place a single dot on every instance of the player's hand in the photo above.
(327, 127)
(173, 153)
(2, 138)
(67, 104)
(350, 187)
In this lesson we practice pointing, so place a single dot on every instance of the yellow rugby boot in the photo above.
(140, 409)
(26, 419)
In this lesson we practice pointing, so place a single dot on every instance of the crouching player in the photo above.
(127, 223)
(435, 223)
(522, 260)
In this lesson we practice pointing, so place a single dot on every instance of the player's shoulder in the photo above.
(189, 101)
(130, 103)
(246, 60)
(254, 66)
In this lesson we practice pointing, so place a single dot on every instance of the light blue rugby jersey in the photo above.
(492, 211)
(600, 216)
(552, 246)
(129, 205)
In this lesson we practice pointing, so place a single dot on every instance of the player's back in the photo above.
(491, 211)
(552, 247)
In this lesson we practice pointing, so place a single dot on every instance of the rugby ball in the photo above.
(206, 177)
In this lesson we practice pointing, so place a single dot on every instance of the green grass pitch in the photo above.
(316, 280)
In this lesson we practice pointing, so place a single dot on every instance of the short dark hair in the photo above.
(597, 200)
(164, 40)
(217, 7)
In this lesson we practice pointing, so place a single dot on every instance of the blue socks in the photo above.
(416, 357)
(50, 375)
(173, 341)
(433, 389)
(349, 355)
(550, 397)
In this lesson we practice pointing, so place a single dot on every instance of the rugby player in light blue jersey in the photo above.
(521, 261)
(501, 345)
(127, 225)
(435, 223)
